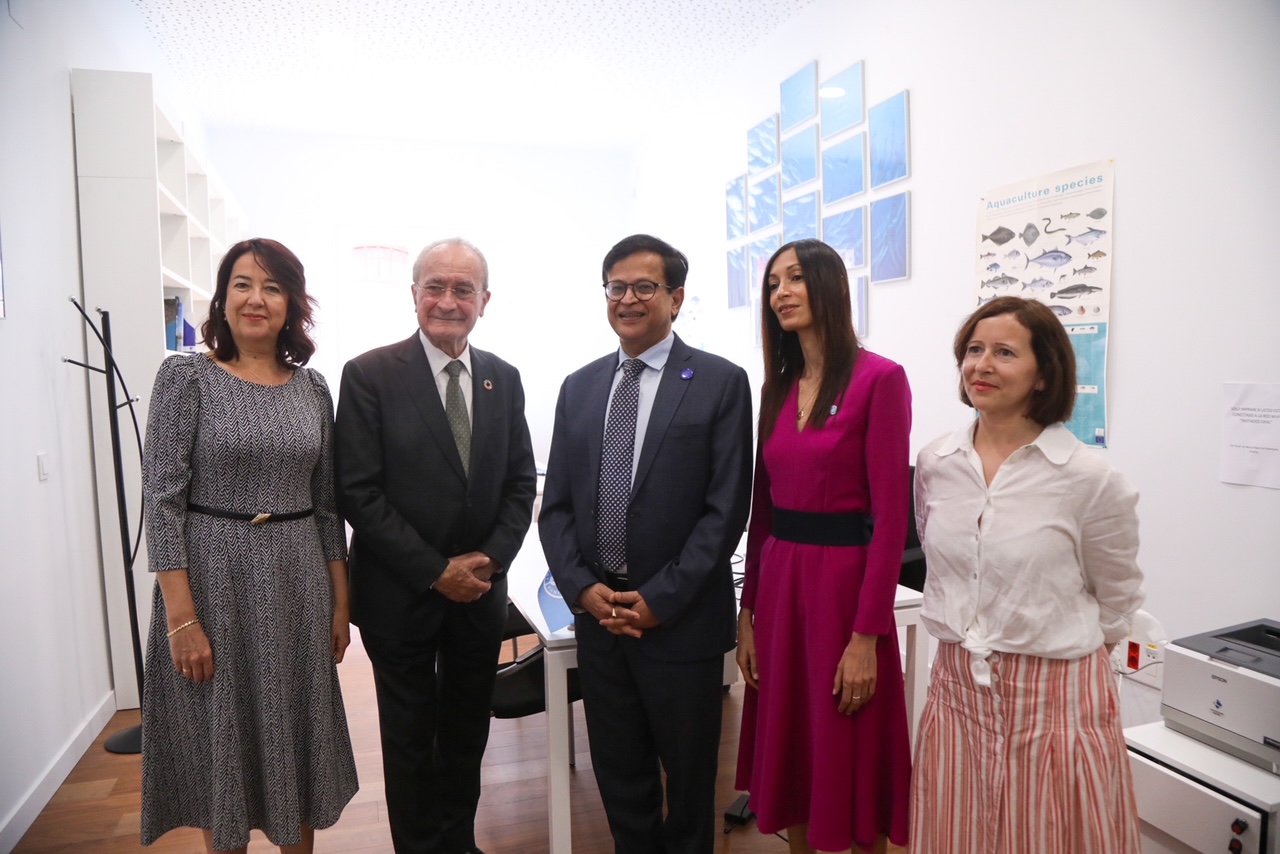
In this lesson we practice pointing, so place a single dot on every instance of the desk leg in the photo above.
(573, 750)
(917, 676)
(559, 721)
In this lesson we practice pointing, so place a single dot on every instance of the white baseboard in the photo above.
(16, 823)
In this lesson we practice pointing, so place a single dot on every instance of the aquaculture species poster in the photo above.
(1050, 239)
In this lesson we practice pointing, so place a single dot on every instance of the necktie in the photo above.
(616, 461)
(455, 409)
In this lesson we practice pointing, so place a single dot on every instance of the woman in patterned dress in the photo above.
(243, 722)
(824, 747)
(1031, 542)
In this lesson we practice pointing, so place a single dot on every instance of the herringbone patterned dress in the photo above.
(264, 744)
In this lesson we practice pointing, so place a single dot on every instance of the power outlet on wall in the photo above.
(1140, 662)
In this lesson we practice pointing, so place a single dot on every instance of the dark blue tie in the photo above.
(616, 461)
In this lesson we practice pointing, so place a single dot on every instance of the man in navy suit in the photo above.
(646, 497)
(435, 473)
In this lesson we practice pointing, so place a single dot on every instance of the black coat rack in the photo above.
(126, 740)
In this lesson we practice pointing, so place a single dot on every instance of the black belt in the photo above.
(823, 529)
(616, 581)
(251, 518)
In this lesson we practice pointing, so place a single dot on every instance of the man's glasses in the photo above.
(462, 293)
(644, 290)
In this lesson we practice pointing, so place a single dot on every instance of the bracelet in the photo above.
(188, 624)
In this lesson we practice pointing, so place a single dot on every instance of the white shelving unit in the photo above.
(154, 223)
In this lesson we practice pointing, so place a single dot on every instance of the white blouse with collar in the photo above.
(1042, 562)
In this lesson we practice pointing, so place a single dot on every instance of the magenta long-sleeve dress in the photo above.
(803, 762)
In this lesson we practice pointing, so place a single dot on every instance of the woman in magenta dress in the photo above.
(824, 749)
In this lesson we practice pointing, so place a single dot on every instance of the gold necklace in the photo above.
(800, 410)
(257, 377)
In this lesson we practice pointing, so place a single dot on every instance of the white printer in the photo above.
(1223, 688)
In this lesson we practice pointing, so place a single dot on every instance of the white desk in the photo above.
(524, 577)
(1189, 794)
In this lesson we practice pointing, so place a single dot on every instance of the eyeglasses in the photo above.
(644, 290)
(462, 293)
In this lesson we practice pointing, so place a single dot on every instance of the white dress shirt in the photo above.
(439, 360)
(655, 359)
(1042, 562)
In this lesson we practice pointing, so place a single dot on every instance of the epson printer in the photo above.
(1223, 688)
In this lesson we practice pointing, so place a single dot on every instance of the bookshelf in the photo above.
(155, 221)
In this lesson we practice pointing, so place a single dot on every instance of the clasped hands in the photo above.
(466, 578)
(622, 612)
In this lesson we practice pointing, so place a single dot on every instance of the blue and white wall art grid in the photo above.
(807, 169)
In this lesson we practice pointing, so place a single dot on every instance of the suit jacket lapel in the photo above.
(671, 389)
(594, 410)
(485, 403)
(420, 384)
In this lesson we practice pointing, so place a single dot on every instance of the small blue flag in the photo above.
(554, 609)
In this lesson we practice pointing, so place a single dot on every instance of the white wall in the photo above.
(1185, 95)
(55, 688)
(544, 217)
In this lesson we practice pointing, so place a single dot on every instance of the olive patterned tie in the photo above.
(455, 409)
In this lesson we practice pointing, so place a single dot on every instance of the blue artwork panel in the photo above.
(800, 218)
(762, 203)
(735, 208)
(800, 158)
(840, 101)
(739, 281)
(888, 129)
(799, 95)
(762, 145)
(758, 254)
(843, 174)
(890, 243)
(846, 232)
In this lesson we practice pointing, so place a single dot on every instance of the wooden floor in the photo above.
(96, 809)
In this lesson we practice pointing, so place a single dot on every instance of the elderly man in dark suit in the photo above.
(646, 497)
(436, 475)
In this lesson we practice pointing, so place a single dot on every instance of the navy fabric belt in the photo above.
(251, 518)
(823, 529)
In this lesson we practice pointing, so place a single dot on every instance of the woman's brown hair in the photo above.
(827, 284)
(1055, 357)
(294, 346)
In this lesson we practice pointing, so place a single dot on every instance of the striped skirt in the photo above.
(1034, 764)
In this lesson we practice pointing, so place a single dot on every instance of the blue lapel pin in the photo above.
(686, 374)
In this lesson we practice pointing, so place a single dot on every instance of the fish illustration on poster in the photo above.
(1052, 238)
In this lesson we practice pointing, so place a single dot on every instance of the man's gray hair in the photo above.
(453, 241)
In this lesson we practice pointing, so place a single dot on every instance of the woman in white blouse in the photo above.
(1030, 540)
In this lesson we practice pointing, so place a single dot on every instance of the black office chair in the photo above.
(520, 688)
(517, 627)
(913, 567)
